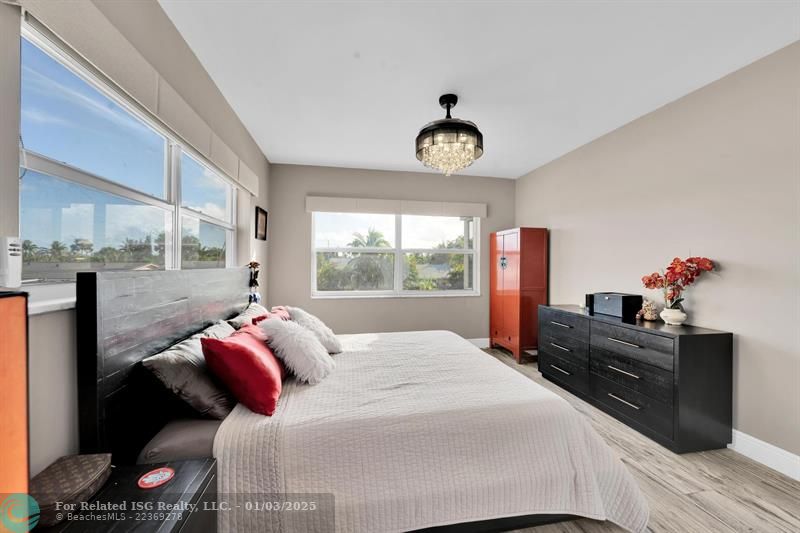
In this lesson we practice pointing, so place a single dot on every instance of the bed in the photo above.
(411, 431)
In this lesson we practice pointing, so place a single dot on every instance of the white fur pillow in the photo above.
(298, 348)
(318, 327)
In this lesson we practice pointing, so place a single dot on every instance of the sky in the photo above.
(66, 119)
(333, 230)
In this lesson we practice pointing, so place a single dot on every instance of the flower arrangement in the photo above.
(678, 275)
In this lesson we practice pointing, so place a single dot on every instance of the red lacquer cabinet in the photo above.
(518, 284)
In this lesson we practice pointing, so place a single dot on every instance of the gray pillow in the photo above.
(218, 330)
(182, 369)
(180, 440)
(298, 348)
(246, 317)
(317, 327)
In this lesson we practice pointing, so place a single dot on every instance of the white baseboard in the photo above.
(767, 454)
(480, 343)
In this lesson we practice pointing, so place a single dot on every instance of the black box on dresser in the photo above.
(670, 383)
(615, 304)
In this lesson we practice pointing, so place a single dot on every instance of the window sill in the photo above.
(49, 297)
(367, 296)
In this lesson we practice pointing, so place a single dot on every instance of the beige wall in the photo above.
(290, 246)
(136, 46)
(53, 390)
(715, 173)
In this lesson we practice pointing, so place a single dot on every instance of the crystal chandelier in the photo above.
(449, 144)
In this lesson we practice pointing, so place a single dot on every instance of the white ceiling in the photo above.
(349, 84)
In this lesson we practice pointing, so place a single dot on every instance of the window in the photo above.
(206, 213)
(393, 255)
(202, 244)
(67, 119)
(202, 190)
(103, 186)
(68, 227)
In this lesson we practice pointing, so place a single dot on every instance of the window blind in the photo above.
(334, 204)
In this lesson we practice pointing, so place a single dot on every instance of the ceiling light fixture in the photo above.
(449, 144)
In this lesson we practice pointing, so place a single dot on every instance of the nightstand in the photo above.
(185, 504)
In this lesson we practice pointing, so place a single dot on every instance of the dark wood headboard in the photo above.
(124, 317)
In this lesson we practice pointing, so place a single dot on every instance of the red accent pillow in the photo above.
(246, 365)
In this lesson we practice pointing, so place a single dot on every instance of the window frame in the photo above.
(399, 253)
(175, 147)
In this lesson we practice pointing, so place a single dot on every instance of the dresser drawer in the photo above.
(564, 372)
(639, 345)
(564, 347)
(646, 411)
(633, 374)
(561, 324)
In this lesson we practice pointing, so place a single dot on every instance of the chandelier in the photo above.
(449, 144)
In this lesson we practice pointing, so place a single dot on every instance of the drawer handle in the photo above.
(615, 369)
(561, 370)
(629, 404)
(559, 347)
(559, 324)
(626, 343)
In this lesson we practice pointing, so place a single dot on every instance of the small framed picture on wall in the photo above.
(261, 224)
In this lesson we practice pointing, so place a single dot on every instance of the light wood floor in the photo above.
(717, 491)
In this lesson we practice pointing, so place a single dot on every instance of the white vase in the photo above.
(673, 317)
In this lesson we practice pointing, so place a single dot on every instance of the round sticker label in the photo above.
(156, 478)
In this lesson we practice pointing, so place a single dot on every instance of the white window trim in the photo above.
(398, 251)
(174, 145)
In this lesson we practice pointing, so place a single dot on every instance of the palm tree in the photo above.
(134, 250)
(28, 250)
(57, 249)
(82, 247)
(365, 269)
(374, 239)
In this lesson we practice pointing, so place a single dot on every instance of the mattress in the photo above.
(415, 430)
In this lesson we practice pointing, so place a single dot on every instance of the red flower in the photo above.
(674, 292)
(702, 263)
(678, 276)
(653, 281)
(677, 265)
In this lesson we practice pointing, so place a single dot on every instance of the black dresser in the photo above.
(671, 383)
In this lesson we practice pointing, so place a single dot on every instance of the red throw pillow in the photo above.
(246, 365)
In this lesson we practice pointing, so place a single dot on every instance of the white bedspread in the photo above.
(420, 429)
